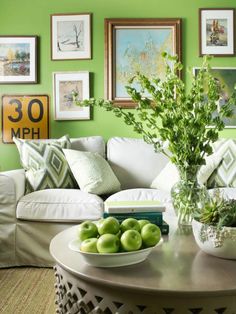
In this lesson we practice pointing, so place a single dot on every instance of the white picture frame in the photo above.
(65, 83)
(216, 32)
(18, 59)
(71, 36)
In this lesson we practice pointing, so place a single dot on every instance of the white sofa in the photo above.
(29, 222)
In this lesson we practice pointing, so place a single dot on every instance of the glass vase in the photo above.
(188, 195)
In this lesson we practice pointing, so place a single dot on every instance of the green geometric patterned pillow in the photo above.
(45, 164)
(225, 173)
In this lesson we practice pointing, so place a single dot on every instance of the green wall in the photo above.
(27, 17)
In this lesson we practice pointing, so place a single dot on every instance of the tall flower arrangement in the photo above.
(174, 117)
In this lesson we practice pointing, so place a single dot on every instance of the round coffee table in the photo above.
(176, 278)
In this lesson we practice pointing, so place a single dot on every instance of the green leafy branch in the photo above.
(170, 115)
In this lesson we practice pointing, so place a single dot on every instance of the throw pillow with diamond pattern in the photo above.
(45, 164)
(225, 173)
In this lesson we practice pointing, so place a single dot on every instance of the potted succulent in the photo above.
(169, 116)
(214, 227)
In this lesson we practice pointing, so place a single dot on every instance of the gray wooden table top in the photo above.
(178, 266)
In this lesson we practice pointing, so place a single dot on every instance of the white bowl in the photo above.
(226, 250)
(113, 259)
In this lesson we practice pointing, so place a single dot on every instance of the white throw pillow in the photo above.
(92, 172)
(170, 175)
(166, 178)
(212, 162)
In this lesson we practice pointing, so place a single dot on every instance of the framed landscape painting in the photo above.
(226, 76)
(18, 59)
(65, 85)
(216, 32)
(136, 45)
(71, 36)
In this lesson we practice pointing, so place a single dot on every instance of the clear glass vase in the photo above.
(188, 195)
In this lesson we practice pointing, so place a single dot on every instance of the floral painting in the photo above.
(139, 50)
(226, 78)
(216, 32)
(66, 86)
(136, 45)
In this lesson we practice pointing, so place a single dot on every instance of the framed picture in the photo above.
(65, 84)
(136, 45)
(216, 32)
(71, 36)
(226, 77)
(25, 116)
(18, 59)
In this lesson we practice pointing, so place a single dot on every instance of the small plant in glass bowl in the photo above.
(214, 227)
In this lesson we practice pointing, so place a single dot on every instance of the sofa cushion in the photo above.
(45, 164)
(166, 178)
(95, 144)
(134, 162)
(62, 205)
(92, 172)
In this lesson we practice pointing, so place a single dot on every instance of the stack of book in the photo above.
(150, 210)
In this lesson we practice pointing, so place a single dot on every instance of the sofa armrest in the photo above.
(12, 186)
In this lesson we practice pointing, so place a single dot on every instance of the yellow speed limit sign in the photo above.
(25, 117)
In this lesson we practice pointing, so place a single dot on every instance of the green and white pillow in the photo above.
(170, 175)
(225, 174)
(45, 164)
(92, 172)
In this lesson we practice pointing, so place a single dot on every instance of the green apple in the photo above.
(143, 222)
(89, 245)
(87, 229)
(131, 240)
(130, 224)
(118, 234)
(108, 243)
(151, 235)
(108, 225)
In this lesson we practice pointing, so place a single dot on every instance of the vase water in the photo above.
(187, 194)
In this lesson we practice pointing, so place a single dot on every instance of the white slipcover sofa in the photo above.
(29, 222)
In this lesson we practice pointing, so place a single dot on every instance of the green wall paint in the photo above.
(27, 17)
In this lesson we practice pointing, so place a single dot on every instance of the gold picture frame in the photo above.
(133, 45)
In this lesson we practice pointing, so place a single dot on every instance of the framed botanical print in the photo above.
(66, 86)
(71, 36)
(136, 45)
(226, 76)
(18, 59)
(217, 32)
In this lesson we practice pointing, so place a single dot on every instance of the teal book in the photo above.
(155, 218)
